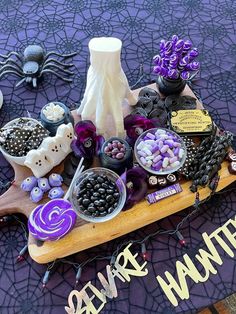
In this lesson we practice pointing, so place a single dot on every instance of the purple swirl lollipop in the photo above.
(52, 221)
(29, 183)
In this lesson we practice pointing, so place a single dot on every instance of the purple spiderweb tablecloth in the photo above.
(66, 26)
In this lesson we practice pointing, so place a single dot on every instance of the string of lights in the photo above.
(112, 258)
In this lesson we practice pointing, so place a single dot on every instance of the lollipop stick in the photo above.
(78, 171)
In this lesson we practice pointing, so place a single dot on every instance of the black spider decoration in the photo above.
(34, 63)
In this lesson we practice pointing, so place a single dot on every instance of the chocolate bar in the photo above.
(163, 193)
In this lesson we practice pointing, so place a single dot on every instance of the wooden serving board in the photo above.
(85, 234)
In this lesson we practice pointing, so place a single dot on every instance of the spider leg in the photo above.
(66, 65)
(11, 67)
(20, 82)
(8, 72)
(11, 61)
(34, 82)
(12, 53)
(57, 67)
(59, 55)
(56, 74)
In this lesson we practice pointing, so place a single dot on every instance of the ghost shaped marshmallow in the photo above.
(54, 150)
(65, 132)
(37, 161)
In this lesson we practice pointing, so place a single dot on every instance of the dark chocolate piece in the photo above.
(231, 156)
(171, 178)
(162, 181)
(232, 167)
(152, 181)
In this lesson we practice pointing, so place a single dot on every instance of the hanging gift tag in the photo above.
(191, 122)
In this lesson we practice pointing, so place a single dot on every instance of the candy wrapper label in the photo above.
(168, 191)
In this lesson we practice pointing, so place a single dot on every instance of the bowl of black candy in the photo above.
(98, 195)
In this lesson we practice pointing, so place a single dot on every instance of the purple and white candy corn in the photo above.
(160, 150)
(29, 183)
(55, 179)
(52, 221)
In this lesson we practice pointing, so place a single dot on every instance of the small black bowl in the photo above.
(117, 165)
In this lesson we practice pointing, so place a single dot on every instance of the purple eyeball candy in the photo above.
(55, 179)
(52, 221)
(55, 192)
(29, 183)
(36, 194)
(43, 184)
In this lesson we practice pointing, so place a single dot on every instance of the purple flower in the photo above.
(136, 186)
(88, 143)
(136, 125)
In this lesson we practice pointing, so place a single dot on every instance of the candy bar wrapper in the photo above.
(163, 193)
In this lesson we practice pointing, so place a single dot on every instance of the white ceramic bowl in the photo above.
(15, 159)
